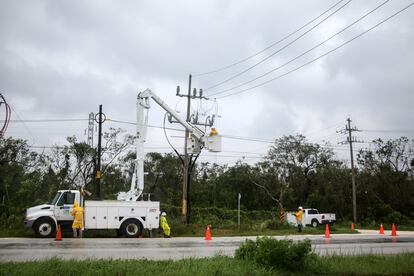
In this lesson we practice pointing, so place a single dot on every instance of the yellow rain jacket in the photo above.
(77, 214)
(299, 216)
(164, 225)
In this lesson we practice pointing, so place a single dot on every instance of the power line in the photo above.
(24, 124)
(268, 47)
(234, 137)
(222, 135)
(47, 120)
(319, 57)
(278, 51)
(389, 130)
(306, 52)
(150, 126)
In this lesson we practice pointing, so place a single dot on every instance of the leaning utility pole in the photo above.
(351, 139)
(188, 160)
(186, 177)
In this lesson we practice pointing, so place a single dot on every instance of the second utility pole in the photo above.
(350, 140)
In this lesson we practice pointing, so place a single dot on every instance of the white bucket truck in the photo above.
(129, 214)
(129, 218)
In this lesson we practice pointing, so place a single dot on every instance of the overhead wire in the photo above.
(388, 130)
(305, 52)
(242, 138)
(25, 126)
(234, 137)
(166, 136)
(321, 56)
(47, 120)
(276, 52)
(270, 46)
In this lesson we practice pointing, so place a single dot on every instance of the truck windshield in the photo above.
(55, 199)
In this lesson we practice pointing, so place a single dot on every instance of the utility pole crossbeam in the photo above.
(350, 140)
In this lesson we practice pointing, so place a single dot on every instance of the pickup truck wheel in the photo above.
(314, 223)
(45, 228)
(131, 228)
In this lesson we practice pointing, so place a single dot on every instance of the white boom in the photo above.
(196, 142)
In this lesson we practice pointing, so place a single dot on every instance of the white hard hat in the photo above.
(163, 214)
(300, 208)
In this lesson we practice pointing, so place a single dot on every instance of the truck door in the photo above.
(64, 206)
(312, 215)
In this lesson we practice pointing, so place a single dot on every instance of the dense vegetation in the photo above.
(294, 172)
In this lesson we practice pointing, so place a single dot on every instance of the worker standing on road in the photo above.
(299, 215)
(164, 225)
(77, 225)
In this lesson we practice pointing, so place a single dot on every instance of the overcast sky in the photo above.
(61, 59)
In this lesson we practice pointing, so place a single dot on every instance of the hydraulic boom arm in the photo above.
(197, 141)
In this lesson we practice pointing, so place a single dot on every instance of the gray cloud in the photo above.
(61, 59)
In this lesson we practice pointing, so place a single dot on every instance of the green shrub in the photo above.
(246, 251)
(272, 253)
(271, 224)
(395, 217)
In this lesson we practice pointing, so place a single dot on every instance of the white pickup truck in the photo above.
(129, 218)
(312, 217)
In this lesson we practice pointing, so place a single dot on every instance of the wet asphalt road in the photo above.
(25, 249)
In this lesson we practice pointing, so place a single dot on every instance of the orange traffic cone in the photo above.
(58, 234)
(352, 226)
(393, 231)
(381, 230)
(208, 234)
(327, 233)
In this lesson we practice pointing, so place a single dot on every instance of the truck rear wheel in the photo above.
(131, 228)
(314, 223)
(45, 228)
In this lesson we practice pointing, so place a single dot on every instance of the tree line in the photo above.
(294, 172)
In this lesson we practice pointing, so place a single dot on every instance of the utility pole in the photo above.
(101, 118)
(238, 211)
(186, 186)
(188, 160)
(350, 140)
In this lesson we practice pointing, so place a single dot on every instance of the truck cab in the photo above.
(44, 218)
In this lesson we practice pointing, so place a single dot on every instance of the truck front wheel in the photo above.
(314, 223)
(131, 228)
(45, 228)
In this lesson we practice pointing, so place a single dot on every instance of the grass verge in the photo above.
(362, 265)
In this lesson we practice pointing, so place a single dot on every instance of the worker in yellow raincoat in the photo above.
(299, 215)
(164, 225)
(77, 225)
